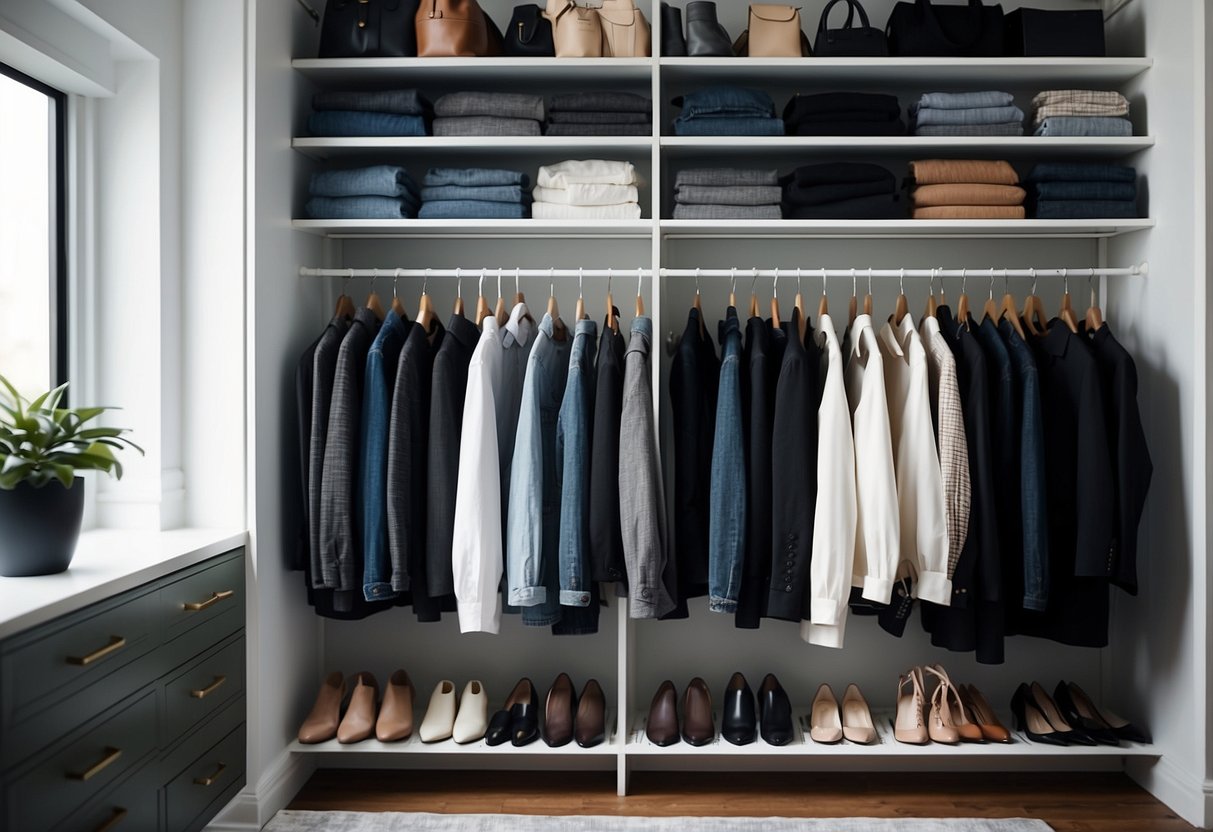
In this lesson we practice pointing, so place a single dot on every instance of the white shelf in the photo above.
(902, 228)
(529, 228)
(1012, 146)
(327, 148)
(497, 71)
(950, 73)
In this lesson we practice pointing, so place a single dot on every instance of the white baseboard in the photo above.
(1188, 794)
(253, 807)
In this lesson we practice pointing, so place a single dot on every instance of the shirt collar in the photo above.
(1057, 339)
(520, 327)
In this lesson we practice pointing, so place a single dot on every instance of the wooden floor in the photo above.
(1068, 802)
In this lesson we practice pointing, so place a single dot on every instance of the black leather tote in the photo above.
(673, 44)
(706, 38)
(369, 29)
(921, 28)
(529, 34)
(850, 41)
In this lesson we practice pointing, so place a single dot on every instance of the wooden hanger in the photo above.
(929, 312)
(1007, 310)
(867, 299)
(482, 305)
(697, 305)
(1034, 317)
(823, 306)
(373, 302)
(579, 312)
(903, 306)
(989, 310)
(612, 320)
(798, 314)
(1067, 309)
(962, 304)
(559, 330)
(1094, 317)
(639, 299)
(754, 313)
(520, 298)
(425, 310)
(345, 304)
(943, 295)
(775, 302)
(499, 311)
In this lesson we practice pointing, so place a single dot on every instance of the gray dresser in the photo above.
(128, 714)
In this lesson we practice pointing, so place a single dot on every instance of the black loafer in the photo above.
(499, 728)
(774, 712)
(524, 714)
(739, 723)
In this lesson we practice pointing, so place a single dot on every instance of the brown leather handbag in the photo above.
(625, 31)
(455, 29)
(576, 30)
(773, 32)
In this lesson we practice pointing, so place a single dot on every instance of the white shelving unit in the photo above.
(429, 146)
(1017, 147)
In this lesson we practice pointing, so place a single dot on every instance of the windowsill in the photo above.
(107, 563)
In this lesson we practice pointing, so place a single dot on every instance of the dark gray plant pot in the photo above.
(39, 528)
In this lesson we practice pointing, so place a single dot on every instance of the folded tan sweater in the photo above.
(970, 212)
(962, 171)
(925, 196)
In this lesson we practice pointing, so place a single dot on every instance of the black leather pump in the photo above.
(1031, 720)
(774, 712)
(739, 722)
(1105, 727)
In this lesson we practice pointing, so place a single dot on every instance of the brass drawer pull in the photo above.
(210, 781)
(202, 693)
(113, 820)
(116, 644)
(216, 597)
(111, 756)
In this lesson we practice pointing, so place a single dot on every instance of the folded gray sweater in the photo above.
(723, 177)
(499, 104)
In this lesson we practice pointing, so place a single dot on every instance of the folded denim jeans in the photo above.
(377, 180)
(645, 129)
(358, 208)
(749, 126)
(498, 104)
(1084, 209)
(725, 101)
(333, 123)
(583, 193)
(721, 177)
(1084, 126)
(977, 115)
(1085, 190)
(795, 193)
(401, 102)
(487, 193)
(598, 117)
(485, 126)
(1080, 172)
(474, 177)
(472, 209)
(965, 100)
(727, 212)
(728, 194)
(872, 207)
(561, 211)
(595, 101)
(1013, 128)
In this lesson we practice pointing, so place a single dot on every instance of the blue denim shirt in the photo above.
(533, 518)
(573, 451)
(381, 363)
(727, 500)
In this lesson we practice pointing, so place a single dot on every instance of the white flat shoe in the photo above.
(473, 719)
(439, 720)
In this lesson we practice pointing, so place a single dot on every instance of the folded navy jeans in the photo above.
(719, 126)
(329, 123)
(401, 102)
(474, 177)
(1080, 172)
(377, 180)
(726, 101)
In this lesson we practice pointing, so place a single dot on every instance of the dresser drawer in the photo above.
(203, 688)
(202, 595)
(202, 788)
(133, 805)
(83, 766)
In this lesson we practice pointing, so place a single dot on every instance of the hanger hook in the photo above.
(349, 278)
(991, 283)
(734, 289)
(854, 283)
(824, 279)
(696, 280)
(517, 275)
(639, 279)
(964, 280)
(374, 277)
(931, 283)
(753, 280)
(580, 283)
(901, 280)
(1065, 278)
(610, 274)
(479, 286)
(1006, 290)
(499, 282)
(426, 282)
(395, 280)
(458, 285)
(775, 286)
(798, 280)
(869, 280)
(1032, 271)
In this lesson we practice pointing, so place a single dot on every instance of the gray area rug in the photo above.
(295, 821)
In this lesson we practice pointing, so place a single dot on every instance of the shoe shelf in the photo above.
(1053, 147)
(549, 146)
(478, 229)
(511, 71)
(901, 229)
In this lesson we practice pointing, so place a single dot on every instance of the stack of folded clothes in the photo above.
(841, 191)
(381, 192)
(727, 111)
(726, 194)
(488, 114)
(1081, 113)
(600, 114)
(358, 113)
(598, 189)
(1077, 191)
(844, 114)
(474, 193)
(967, 114)
(965, 189)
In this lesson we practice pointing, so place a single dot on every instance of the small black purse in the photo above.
(529, 34)
(369, 29)
(849, 41)
(921, 28)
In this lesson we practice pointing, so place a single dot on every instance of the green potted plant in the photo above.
(42, 447)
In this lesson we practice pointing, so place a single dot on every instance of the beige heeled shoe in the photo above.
(857, 726)
(473, 718)
(909, 724)
(940, 727)
(439, 721)
(321, 724)
(359, 720)
(966, 729)
(396, 711)
(825, 720)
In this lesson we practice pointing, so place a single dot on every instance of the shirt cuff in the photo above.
(824, 611)
(877, 589)
(824, 635)
(473, 619)
(723, 605)
(934, 587)
(378, 591)
(528, 596)
(574, 598)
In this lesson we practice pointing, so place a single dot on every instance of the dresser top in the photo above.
(107, 563)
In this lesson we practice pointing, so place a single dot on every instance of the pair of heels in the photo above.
(955, 713)
(463, 720)
(1070, 718)
(567, 717)
(390, 721)
(771, 719)
(831, 723)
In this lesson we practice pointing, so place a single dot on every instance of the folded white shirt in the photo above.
(574, 171)
(588, 193)
(560, 211)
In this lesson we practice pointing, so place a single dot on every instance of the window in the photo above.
(33, 262)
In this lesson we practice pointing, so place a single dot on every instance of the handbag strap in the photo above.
(852, 5)
(568, 7)
(975, 10)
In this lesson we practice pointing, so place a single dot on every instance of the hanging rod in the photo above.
(1139, 270)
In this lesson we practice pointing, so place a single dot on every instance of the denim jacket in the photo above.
(727, 500)
(573, 451)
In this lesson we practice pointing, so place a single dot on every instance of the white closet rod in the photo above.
(1139, 270)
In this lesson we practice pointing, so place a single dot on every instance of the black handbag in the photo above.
(369, 29)
(529, 34)
(849, 41)
(923, 29)
(1072, 33)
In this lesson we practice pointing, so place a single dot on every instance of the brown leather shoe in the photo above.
(359, 720)
(662, 726)
(396, 713)
(979, 708)
(698, 724)
(559, 712)
(590, 729)
(321, 723)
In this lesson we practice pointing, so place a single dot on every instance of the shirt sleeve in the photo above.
(1094, 553)
(876, 485)
(926, 482)
(524, 531)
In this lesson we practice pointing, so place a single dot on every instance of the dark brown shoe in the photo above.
(698, 725)
(559, 713)
(590, 729)
(662, 726)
